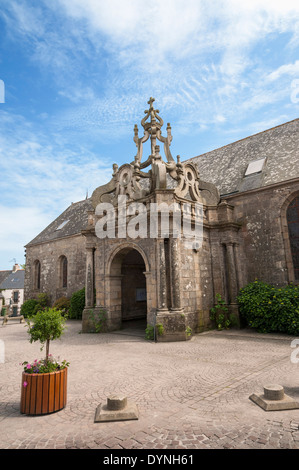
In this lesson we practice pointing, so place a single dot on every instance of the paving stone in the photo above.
(181, 389)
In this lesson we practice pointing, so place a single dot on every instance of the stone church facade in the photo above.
(163, 237)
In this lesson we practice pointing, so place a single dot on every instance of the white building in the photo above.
(12, 290)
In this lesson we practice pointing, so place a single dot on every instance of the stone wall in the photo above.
(49, 255)
(264, 231)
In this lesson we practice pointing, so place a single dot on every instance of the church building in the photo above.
(163, 237)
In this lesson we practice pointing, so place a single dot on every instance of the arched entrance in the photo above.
(128, 296)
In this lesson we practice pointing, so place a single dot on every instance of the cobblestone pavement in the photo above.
(190, 395)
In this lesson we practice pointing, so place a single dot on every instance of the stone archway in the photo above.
(128, 293)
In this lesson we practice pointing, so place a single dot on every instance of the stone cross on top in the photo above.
(150, 102)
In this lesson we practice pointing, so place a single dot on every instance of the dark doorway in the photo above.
(133, 290)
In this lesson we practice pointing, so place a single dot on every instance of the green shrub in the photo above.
(77, 304)
(3, 311)
(43, 300)
(29, 307)
(63, 304)
(160, 329)
(270, 309)
(149, 332)
(188, 331)
(32, 306)
(219, 314)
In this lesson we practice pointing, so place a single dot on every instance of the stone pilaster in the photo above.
(175, 266)
(89, 287)
(232, 281)
(241, 269)
(232, 275)
(162, 289)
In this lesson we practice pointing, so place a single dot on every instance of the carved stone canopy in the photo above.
(132, 181)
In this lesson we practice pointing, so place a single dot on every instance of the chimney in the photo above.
(15, 268)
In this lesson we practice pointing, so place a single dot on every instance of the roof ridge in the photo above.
(244, 138)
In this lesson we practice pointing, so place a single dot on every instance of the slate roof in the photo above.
(226, 166)
(14, 280)
(4, 274)
(72, 221)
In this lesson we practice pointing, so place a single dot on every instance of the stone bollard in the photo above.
(116, 409)
(274, 399)
(274, 392)
(116, 403)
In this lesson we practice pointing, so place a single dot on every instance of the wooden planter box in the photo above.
(44, 393)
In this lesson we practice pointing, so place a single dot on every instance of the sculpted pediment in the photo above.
(132, 181)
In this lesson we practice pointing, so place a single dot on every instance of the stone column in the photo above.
(175, 274)
(161, 266)
(232, 275)
(241, 273)
(232, 283)
(89, 287)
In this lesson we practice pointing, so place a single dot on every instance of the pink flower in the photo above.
(28, 366)
(25, 384)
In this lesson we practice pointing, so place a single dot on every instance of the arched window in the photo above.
(37, 271)
(63, 271)
(293, 227)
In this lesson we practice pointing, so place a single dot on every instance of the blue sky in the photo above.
(78, 75)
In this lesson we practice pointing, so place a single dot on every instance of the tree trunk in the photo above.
(47, 349)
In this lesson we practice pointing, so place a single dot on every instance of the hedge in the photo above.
(77, 304)
(63, 304)
(32, 306)
(270, 309)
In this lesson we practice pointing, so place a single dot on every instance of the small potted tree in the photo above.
(44, 382)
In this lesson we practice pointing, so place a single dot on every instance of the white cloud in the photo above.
(178, 27)
(194, 56)
(40, 178)
(39, 171)
(26, 19)
(286, 69)
(27, 223)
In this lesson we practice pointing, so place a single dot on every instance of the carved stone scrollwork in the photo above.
(188, 181)
(127, 183)
(126, 180)
(101, 194)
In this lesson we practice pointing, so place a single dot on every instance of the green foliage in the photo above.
(188, 331)
(45, 326)
(77, 304)
(219, 314)
(99, 320)
(29, 307)
(150, 331)
(43, 300)
(32, 306)
(160, 329)
(63, 304)
(270, 309)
